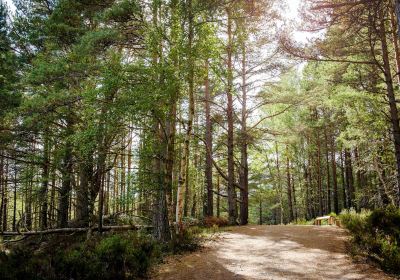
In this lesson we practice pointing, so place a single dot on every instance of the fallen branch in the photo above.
(72, 230)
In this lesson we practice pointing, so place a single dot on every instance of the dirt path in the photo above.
(271, 252)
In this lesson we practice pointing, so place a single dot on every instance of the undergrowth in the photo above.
(375, 234)
(110, 256)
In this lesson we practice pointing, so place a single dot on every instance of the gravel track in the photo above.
(271, 252)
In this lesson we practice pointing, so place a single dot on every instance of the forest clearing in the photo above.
(133, 130)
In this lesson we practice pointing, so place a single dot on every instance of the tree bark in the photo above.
(349, 178)
(232, 207)
(328, 174)
(244, 174)
(319, 176)
(289, 186)
(279, 183)
(67, 173)
(344, 190)
(183, 187)
(45, 181)
(209, 165)
(334, 177)
(394, 114)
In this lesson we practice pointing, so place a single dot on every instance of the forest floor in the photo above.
(270, 252)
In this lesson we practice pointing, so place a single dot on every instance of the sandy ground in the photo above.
(270, 252)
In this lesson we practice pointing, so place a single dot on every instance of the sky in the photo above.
(9, 4)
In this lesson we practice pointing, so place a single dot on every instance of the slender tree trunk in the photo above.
(208, 168)
(218, 198)
(384, 197)
(289, 186)
(183, 187)
(5, 198)
(279, 183)
(129, 194)
(344, 191)
(161, 229)
(328, 174)
(360, 178)
(82, 192)
(232, 208)
(349, 178)
(334, 177)
(28, 198)
(244, 174)
(160, 215)
(123, 176)
(45, 182)
(307, 201)
(294, 193)
(67, 173)
(309, 167)
(2, 187)
(107, 194)
(14, 224)
(319, 176)
(395, 40)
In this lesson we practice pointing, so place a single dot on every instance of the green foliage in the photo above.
(188, 240)
(127, 256)
(9, 97)
(376, 234)
(304, 222)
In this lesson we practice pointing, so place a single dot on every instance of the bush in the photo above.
(215, 221)
(376, 234)
(126, 256)
(303, 222)
(187, 240)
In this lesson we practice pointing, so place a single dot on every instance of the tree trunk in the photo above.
(344, 190)
(394, 114)
(2, 186)
(82, 192)
(328, 174)
(279, 183)
(218, 198)
(45, 182)
(334, 177)
(244, 174)
(161, 228)
(183, 187)
(14, 224)
(66, 185)
(395, 40)
(4, 198)
(349, 178)
(160, 212)
(319, 176)
(232, 208)
(209, 165)
(289, 186)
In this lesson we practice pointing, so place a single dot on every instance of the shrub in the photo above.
(187, 240)
(376, 234)
(215, 221)
(127, 256)
(304, 222)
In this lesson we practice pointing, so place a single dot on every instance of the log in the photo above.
(73, 230)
